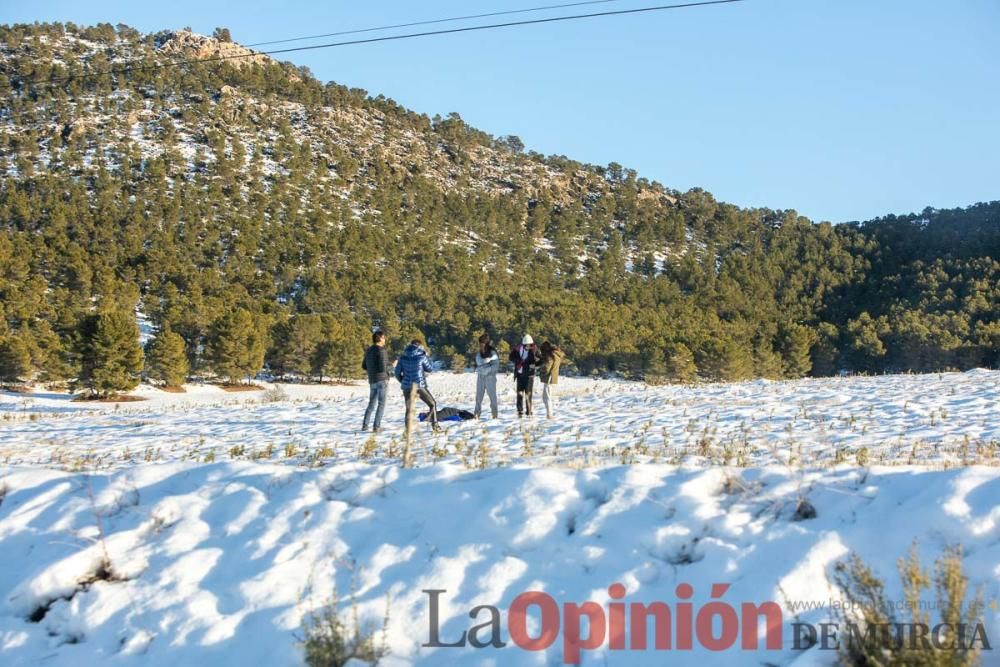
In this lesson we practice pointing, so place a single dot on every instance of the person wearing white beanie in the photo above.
(525, 358)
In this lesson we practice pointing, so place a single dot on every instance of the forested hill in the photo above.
(258, 216)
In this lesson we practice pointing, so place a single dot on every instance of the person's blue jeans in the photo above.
(377, 393)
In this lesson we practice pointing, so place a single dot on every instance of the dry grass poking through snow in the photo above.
(940, 420)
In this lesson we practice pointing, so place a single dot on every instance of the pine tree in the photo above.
(321, 360)
(724, 360)
(111, 358)
(340, 352)
(166, 358)
(825, 354)
(87, 215)
(680, 366)
(295, 343)
(235, 346)
(503, 349)
(15, 359)
(767, 363)
(452, 358)
(796, 342)
(866, 338)
(988, 335)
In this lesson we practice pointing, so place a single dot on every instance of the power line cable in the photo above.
(371, 40)
(431, 22)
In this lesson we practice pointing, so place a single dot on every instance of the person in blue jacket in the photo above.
(411, 371)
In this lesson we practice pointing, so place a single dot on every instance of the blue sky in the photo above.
(840, 109)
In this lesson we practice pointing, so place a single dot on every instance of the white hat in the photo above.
(527, 340)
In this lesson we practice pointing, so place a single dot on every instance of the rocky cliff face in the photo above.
(187, 45)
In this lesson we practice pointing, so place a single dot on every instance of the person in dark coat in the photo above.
(376, 362)
(525, 358)
(411, 371)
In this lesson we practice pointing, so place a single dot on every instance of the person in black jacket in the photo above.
(376, 362)
(526, 359)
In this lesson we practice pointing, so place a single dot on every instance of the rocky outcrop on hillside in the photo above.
(187, 45)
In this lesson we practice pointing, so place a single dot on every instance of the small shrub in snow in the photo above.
(331, 641)
(526, 450)
(986, 452)
(392, 451)
(438, 451)
(368, 449)
(273, 394)
(867, 606)
(862, 457)
(483, 455)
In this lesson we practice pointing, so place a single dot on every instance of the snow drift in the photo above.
(185, 563)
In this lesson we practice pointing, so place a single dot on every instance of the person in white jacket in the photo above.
(487, 365)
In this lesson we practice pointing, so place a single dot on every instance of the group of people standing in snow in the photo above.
(413, 366)
(529, 361)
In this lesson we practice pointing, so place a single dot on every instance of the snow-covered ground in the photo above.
(933, 419)
(200, 528)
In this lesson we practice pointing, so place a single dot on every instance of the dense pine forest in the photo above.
(262, 219)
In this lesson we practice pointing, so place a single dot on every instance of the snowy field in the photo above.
(939, 419)
(200, 528)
